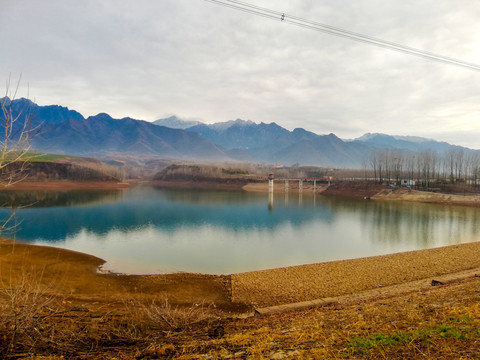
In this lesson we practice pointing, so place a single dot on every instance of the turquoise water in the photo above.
(152, 230)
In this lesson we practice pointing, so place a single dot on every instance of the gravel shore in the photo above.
(316, 281)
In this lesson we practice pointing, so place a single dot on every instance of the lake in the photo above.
(145, 230)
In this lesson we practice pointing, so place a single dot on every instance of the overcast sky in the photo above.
(151, 59)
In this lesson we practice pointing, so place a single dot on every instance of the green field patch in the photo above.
(32, 156)
(45, 157)
(463, 328)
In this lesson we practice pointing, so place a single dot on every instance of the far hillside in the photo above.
(64, 131)
(244, 172)
(52, 167)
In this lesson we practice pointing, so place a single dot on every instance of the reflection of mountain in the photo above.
(166, 210)
(357, 224)
(209, 197)
(44, 199)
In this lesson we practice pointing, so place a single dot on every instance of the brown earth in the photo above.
(324, 280)
(74, 275)
(353, 189)
(119, 316)
(401, 194)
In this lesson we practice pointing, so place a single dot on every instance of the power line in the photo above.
(316, 26)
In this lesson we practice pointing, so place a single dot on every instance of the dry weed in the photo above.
(26, 309)
(175, 318)
(160, 314)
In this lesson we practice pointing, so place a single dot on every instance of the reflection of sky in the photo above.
(151, 230)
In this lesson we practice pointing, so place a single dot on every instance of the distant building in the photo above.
(407, 182)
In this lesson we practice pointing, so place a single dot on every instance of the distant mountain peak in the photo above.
(51, 114)
(175, 122)
(415, 139)
(5, 100)
(101, 116)
(227, 124)
(23, 101)
(61, 131)
(369, 136)
(299, 130)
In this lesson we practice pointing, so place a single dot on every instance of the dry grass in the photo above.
(438, 322)
(175, 318)
(53, 311)
(33, 322)
(25, 309)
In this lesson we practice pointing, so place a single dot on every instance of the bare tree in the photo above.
(472, 168)
(426, 162)
(15, 138)
(15, 142)
(373, 159)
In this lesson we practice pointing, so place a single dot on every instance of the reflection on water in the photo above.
(148, 229)
(17, 199)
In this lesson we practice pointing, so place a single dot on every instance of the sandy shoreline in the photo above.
(427, 197)
(252, 289)
(321, 280)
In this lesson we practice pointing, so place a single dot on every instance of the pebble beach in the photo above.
(329, 279)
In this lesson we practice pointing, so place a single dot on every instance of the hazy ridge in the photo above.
(61, 130)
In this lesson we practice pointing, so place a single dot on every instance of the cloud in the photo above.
(199, 60)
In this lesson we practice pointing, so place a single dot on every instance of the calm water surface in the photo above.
(152, 230)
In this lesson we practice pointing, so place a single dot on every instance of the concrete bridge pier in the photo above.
(270, 201)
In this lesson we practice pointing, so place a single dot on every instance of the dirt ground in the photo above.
(85, 314)
(318, 281)
(401, 194)
(74, 275)
(353, 189)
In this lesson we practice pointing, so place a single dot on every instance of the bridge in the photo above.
(301, 180)
(287, 180)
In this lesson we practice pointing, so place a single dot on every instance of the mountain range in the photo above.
(61, 130)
